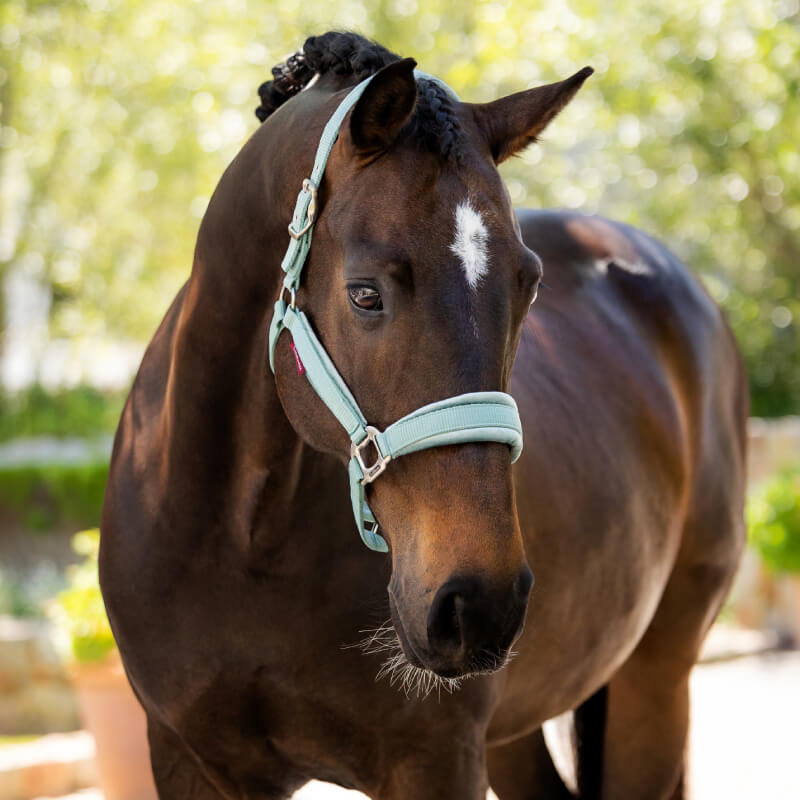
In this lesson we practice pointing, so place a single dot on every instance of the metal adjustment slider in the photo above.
(356, 451)
(308, 186)
(292, 295)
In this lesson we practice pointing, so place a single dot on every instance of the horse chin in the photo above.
(481, 663)
(478, 664)
(407, 671)
(410, 677)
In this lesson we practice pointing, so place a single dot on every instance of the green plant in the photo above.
(79, 610)
(773, 520)
(80, 411)
(45, 495)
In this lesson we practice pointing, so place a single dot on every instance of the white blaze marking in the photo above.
(471, 243)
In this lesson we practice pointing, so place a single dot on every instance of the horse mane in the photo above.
(434, 123)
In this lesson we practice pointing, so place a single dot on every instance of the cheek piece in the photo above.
(472, 417)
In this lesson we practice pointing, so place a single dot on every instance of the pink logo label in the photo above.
(301, 370)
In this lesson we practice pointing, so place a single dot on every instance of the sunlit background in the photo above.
(117, 119)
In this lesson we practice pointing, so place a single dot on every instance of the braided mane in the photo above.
(434, 124)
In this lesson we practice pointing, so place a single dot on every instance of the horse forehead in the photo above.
(470, 242)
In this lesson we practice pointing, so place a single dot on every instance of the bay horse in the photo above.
(235, 584)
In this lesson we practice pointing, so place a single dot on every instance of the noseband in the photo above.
(472, 417)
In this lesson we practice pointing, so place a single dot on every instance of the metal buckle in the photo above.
(311, 213)
(292, 295)
(371, 528)
(373, 470)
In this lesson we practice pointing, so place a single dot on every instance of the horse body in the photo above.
(236, 585)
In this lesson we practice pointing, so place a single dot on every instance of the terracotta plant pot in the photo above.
(791, 598)
(112, 714)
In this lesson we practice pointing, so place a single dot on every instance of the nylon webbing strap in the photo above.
(474, 417)
(324, 377)
(302, 220)
(488, 416)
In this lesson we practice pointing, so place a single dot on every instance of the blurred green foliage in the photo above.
(18, 739)
(83, 411)
(46, 495)
(773, 520)
(118, 118)
(79, 610)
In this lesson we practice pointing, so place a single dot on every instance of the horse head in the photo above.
(417, 284)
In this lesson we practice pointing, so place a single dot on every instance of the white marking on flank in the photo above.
(561, 739)
(471, 243)
(634, 267)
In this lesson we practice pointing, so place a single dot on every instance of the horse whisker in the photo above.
(416, 681)
(411, 680)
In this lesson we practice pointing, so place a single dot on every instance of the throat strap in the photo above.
(472, 417)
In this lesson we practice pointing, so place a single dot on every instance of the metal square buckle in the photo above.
(311, 212)
(356, 451)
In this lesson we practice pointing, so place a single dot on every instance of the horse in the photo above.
(266, 644)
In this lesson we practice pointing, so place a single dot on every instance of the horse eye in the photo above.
(365, 297)
(536, 290)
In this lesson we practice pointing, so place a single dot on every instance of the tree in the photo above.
(118, 118)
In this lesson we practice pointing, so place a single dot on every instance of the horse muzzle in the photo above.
(470, 625)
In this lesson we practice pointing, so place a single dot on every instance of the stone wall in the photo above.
(774, 444)
(35, 692)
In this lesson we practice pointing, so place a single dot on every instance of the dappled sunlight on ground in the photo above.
(746, 729)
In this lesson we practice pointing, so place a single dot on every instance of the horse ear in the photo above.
(512, 123)
(384, 107)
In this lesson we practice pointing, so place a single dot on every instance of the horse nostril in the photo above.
(468, 617)
(523, 583)
(446, 616)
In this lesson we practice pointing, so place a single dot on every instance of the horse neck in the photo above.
(228, 441)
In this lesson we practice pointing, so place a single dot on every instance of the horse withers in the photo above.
(251, 619)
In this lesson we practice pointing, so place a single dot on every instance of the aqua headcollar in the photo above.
(472, 417)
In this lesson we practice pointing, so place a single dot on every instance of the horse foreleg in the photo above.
(446, 769)
(645, 737)
(177, 774)
(648, 698)
(524, 770)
